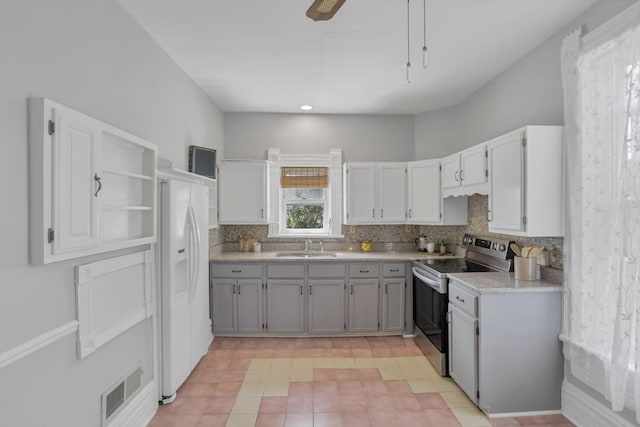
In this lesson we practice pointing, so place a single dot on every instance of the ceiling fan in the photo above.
(323, 10)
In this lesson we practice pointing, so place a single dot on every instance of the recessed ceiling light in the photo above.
(306, 107)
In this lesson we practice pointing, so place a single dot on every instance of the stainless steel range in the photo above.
(430, 291)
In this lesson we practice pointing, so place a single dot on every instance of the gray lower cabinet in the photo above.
(237, 298)
(504, 342)
(363, 305)
(393, 305)
(285, 306)
(326, 306)
(224, 308)
(463, 351)
(249, 300)
(237, 305)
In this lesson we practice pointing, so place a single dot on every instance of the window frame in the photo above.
(333, 194)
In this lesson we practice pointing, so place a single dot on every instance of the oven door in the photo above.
(430, 308)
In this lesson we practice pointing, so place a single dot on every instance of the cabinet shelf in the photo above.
(127, 174)
(127, 207)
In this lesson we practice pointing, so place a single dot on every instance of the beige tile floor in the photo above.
(350, 382)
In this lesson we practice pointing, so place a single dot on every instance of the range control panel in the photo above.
(493, 247)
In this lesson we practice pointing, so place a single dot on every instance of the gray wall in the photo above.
(527, 93)
(91, 56)
(361, 137)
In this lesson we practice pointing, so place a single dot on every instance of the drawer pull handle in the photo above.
(459, 299)
(236, 271)
(394, 270)
(364, 271)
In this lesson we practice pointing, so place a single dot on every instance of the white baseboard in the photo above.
(584, 411)
(140, 409)
(522, 414)
(18, 353)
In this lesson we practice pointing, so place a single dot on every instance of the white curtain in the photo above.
(601, 330)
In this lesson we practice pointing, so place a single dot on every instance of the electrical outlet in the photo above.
(407, 228)
(352, 229)
(543, 258)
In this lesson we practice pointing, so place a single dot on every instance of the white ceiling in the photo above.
(267, 56)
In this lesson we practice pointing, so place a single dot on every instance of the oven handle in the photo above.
(435, 284)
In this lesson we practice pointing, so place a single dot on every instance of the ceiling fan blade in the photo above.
(323, 10)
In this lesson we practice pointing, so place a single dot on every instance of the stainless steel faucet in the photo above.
(306, 245)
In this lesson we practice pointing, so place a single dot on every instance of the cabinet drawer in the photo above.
(393, 270)
(363, 270)
(285, 271)
(236, 270)
(327, 270)
(463, 299)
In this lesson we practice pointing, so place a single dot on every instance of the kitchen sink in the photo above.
(307, 254)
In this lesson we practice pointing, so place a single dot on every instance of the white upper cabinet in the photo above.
(425, 203)
(92, 186)
(525, 176)
(392, 183)
(374, 193)
(465, 173)
(242, 192)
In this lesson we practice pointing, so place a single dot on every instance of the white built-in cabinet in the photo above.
(465, 173)
(92, 186)
(374, 193)
(525, 178)
(424, 195)
(242, 192)
(212, 185)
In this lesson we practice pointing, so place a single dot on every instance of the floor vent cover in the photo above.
(119, 393)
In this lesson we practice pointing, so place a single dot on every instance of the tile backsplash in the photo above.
(402, 236)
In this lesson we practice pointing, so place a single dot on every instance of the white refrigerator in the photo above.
(185, 327)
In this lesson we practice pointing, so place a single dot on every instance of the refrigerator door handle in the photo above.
(194, 256)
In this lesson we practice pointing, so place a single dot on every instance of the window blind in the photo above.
(304, 177)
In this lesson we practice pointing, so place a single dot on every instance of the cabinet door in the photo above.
(249, 300)
(224, 305)
(506, 170)
(363, 305)
(76, 185)
(424, 192)
(393, 305)
(242, 192)
(326, 306)
(360, 193)
(463, 351)
(392, 178)
(285, 306)
(473, 166)
(451, 171)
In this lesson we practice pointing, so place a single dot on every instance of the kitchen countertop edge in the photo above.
(343, 257)
(502, 282)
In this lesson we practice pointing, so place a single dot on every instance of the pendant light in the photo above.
(408, 47)
(425, 52)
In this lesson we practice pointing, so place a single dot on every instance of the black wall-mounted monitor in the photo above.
(202, 161)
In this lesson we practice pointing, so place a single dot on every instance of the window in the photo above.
(306, 195)
(305, 207)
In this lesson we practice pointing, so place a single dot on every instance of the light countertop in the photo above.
(491, 283)
(341, 256)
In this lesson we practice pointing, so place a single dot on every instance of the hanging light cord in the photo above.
(425, 57)
(408, 46)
